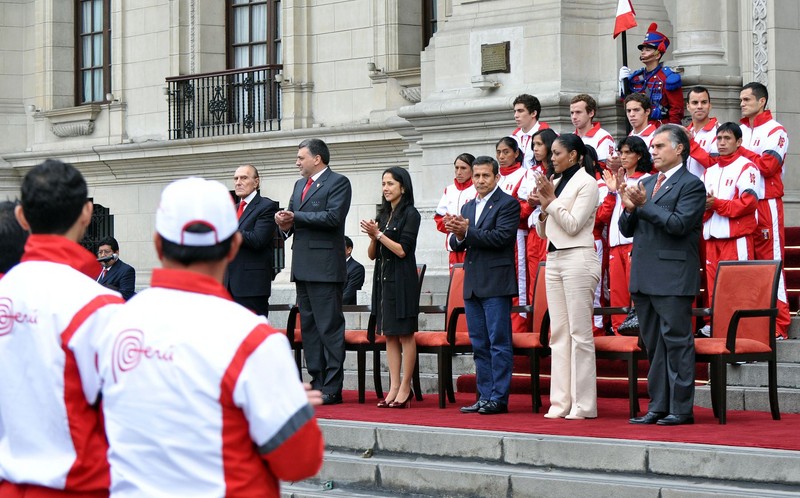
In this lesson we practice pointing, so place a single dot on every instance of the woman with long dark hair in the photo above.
(535, 246)
(636, 162)
(453, 199)
(566, 219)
(512, 179)
(395, 288)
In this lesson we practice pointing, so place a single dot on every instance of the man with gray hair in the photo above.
(664, 215)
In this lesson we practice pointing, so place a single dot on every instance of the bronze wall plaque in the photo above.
(494, 58)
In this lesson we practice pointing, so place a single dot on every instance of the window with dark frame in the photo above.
(93, 51)
(429, 15)
(254, 33)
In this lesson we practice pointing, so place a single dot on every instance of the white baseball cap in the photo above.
(191, 201)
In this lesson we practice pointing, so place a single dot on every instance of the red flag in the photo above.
(626, 17)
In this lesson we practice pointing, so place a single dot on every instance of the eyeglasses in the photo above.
(104, 251)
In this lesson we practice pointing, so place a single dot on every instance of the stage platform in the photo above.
(425, 451)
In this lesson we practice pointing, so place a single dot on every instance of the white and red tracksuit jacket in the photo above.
(733, 181)
(611, 209)
(766, 144)
(706, 139)
(51, 308)
(201, 397)
(453, 199)
(525, 142)
(646, 134)
(601, 140)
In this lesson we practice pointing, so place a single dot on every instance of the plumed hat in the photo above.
(653, 38)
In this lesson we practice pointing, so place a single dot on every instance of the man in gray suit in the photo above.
(664, 216)
(315, 216)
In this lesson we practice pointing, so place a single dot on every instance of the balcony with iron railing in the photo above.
(231, 102)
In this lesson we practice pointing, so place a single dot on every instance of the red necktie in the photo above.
(102, 274)
(661, 178)
(241, 209)
(308, 186)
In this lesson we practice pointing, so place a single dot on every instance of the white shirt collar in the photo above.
(668, 174)
(481, 200)
(316, 176)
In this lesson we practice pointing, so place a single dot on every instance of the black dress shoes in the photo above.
(648, 419)
(474, 408)
(493, 408)
(676, 420)
(332, 399)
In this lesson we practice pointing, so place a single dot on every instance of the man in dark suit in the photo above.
(355, 274)
(664, 215)
(116, 274)
(315, 216)
(487, 230)
(249, 275)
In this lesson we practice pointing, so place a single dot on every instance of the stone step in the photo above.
(788, 351)
(326, 490)
(794, 326)
(398, 460)
(751, 398)
(755, 375)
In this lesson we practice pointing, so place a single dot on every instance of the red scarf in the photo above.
(462, 186)
(507, 170)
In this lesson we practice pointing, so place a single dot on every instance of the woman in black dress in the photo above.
(395, 289)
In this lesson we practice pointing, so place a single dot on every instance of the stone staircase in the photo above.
(747, 384)
(364, 459)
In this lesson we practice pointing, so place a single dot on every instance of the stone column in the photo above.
(699, 32)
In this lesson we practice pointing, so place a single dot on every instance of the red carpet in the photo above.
(744, 428)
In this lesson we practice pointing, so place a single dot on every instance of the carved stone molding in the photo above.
(760, 55)
(412, 94)
(72, 128)
(73, 121)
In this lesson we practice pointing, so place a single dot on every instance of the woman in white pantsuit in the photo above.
(566, 218)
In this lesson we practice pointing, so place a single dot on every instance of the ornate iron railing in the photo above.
(225, 103)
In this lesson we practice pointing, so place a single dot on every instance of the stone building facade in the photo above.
(369, 77)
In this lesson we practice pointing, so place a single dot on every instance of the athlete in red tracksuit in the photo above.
(636, 165)
(535, 246)
(731, 202)
(766, 142)
(453, 199)
(512, 174)
(52, 442)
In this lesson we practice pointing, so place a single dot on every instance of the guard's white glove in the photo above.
(624, 73)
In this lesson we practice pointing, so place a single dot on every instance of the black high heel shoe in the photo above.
(386, 403)
(404, 404)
